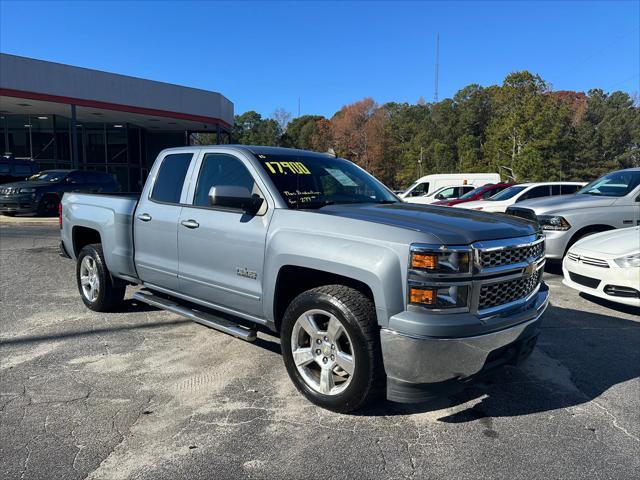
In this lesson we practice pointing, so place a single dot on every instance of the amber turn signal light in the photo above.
(427, 261)
(423, 296)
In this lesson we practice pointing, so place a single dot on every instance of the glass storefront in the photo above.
(124, 150)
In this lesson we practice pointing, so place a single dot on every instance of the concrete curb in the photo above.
(4, 220)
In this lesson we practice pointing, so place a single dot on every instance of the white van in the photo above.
(430, 183)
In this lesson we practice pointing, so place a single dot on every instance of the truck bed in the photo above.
(111, 215)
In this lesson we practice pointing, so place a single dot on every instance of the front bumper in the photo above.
(18, 204)
(421, 367)
(613, 276)
(556, 242)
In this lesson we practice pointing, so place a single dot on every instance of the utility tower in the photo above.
(435, 95)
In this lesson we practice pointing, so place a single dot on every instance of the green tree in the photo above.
(251, 129)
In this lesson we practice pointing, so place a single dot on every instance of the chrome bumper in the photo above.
(411, 359)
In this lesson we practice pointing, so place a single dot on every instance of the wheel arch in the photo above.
(292, 280)
(82, 236)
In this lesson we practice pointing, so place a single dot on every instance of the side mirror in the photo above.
(235, 197)
(439, 196)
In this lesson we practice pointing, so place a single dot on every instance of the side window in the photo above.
(448, 192)
(170, 178)
(219, 169)
(567, 189)
(555, 189)
(4, 168)
(536, 192)
(420, 189)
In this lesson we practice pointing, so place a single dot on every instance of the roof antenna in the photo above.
(435, 96)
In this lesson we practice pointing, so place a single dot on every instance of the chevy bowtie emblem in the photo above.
(529, 270)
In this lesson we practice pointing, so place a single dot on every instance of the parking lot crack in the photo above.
(615, 423)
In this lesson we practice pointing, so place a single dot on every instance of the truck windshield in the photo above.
(506, 194)
(313, 182)
(616, 184)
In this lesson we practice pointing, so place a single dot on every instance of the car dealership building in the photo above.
(62, 116)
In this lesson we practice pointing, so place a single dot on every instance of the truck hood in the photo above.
(453, 226)
(565, 202)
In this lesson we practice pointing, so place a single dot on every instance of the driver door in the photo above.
(221, 249)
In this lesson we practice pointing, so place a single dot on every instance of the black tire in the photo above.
(357, 314)
(48, 205)
(110, 294)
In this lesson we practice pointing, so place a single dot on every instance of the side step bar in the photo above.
(207, 319)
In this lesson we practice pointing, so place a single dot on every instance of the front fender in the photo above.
(380, 267)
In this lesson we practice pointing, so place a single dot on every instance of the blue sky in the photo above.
(265, 55)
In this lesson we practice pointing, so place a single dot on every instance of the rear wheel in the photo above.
(331, 349)
(97, 289)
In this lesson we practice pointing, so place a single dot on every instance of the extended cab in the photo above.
(364, 290)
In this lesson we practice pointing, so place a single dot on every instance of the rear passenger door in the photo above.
(221, 250)
(156, 221)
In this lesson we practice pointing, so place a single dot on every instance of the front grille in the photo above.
(508, 256)
(583, 280)
(596, 262)
(7, 190)
(500, 293)
(525, 213)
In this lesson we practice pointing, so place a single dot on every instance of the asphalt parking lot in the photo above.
(145, 394)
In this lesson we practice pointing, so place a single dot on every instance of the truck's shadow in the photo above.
(579, 356)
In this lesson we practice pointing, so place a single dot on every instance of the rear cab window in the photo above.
(169, 181)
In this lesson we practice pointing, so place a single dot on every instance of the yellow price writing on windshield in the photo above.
(283, 167)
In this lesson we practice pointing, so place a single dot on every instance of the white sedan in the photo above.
(606, 265)
(523, 191)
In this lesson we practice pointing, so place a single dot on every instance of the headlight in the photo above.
(440, 261)
(629, 261)
(454, 296)
(27, 190)
(552, 222)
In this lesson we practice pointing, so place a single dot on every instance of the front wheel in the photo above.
(97, 289)
(331, 348)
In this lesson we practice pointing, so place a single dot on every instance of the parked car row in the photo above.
(41, 192)
(607, 264)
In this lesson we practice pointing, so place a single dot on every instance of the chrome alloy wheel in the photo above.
(322, 352)
(89, 278)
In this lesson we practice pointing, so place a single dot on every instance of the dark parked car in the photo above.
(41, 193)
(13, 170)
(480, 193)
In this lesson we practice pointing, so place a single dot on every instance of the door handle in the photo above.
(190, 223)
(145, 217)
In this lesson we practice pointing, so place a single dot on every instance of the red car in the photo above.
(480, 193)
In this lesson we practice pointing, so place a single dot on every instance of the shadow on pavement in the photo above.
(612, 305)
(584, 355)
(86, 333)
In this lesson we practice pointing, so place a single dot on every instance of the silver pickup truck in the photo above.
(612, 201)
(368, 294)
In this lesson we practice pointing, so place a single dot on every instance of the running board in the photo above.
(207, 319)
